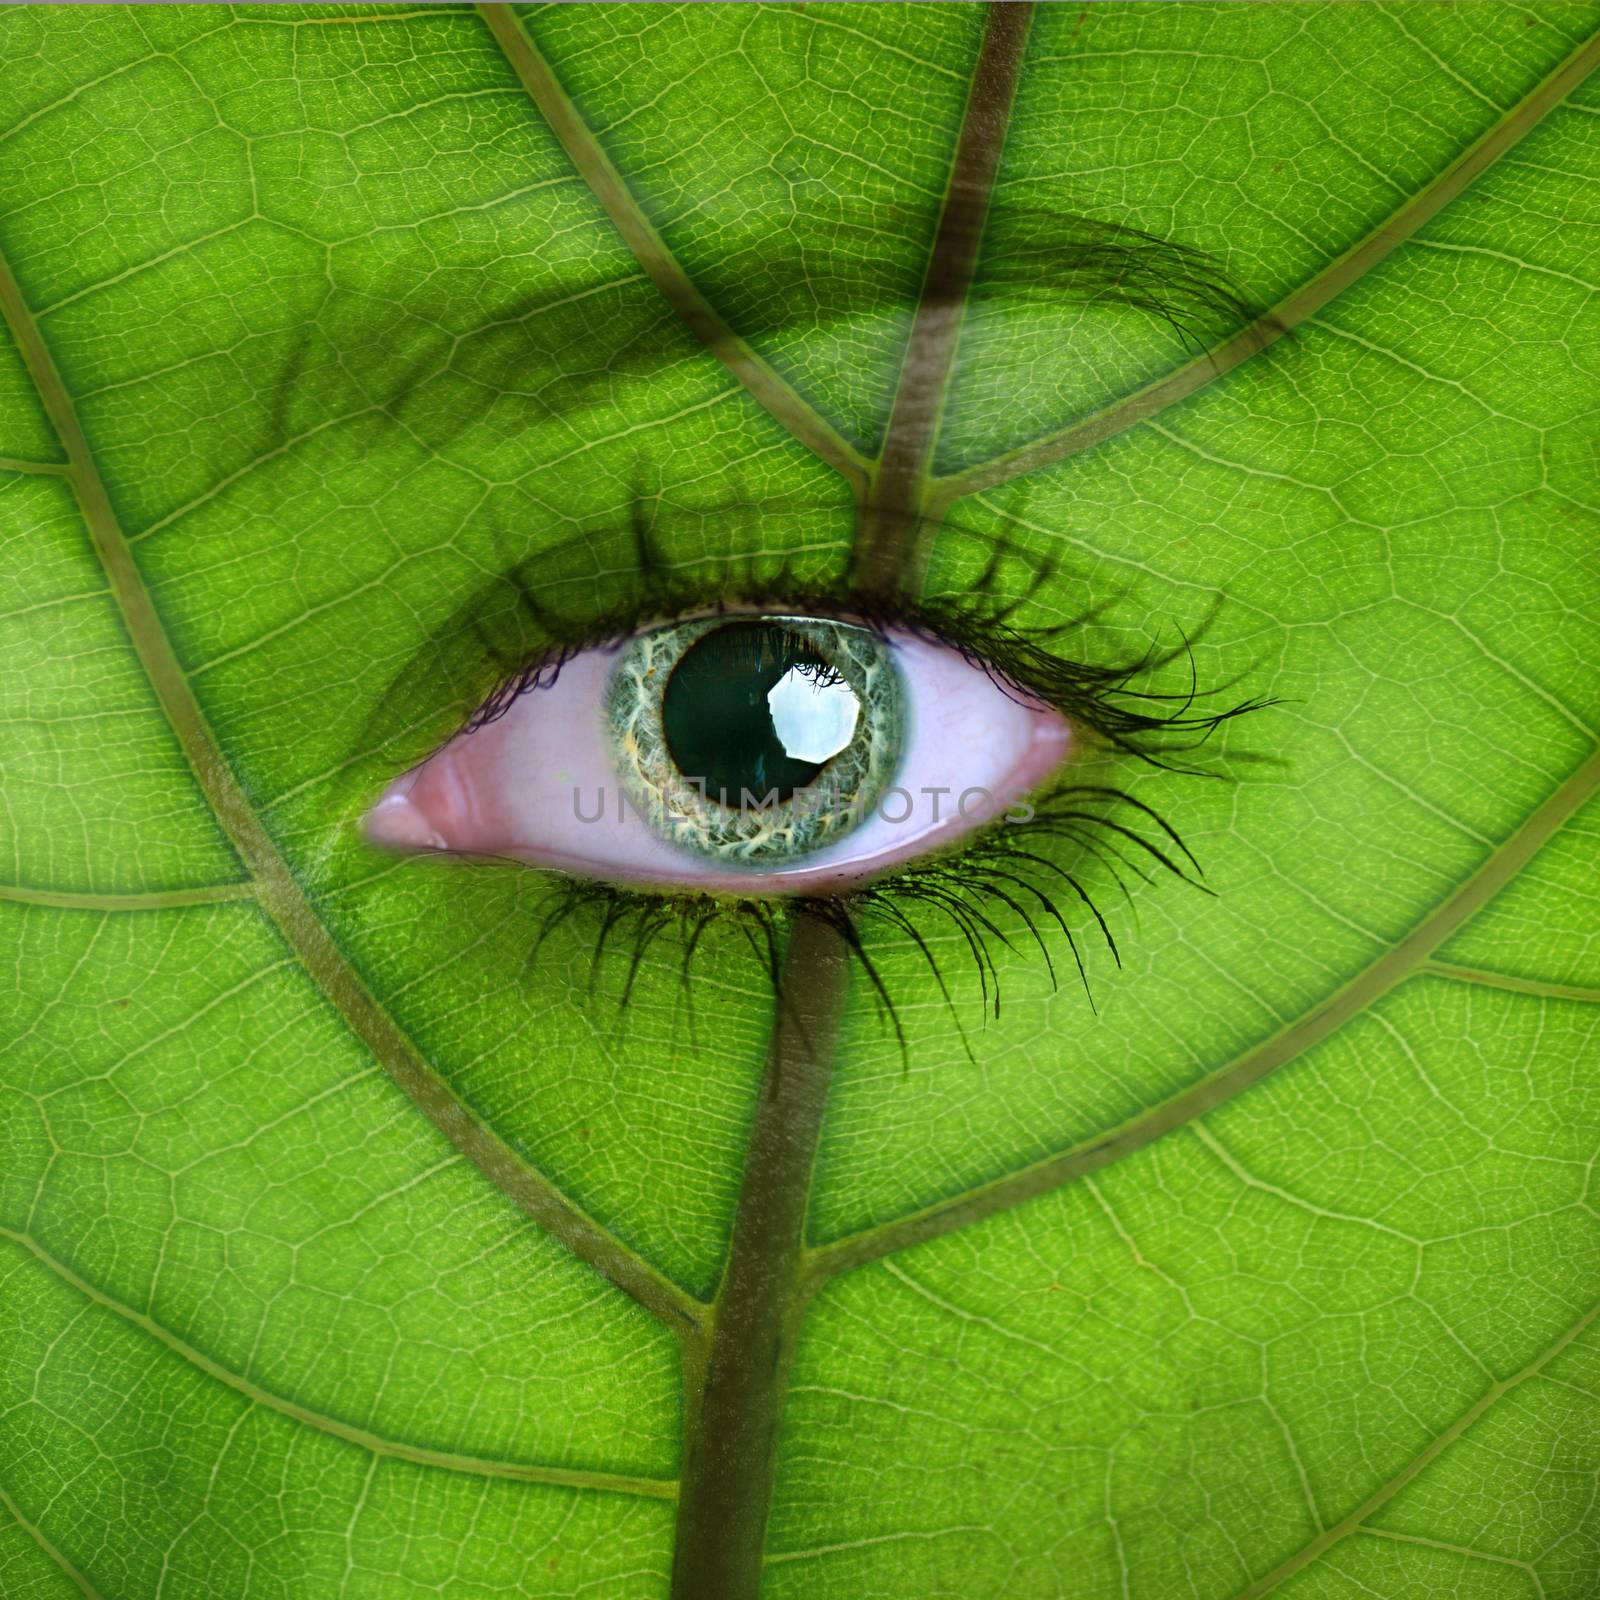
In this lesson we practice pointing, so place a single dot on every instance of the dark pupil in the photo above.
(718, 724)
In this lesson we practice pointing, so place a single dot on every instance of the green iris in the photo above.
(754, 740)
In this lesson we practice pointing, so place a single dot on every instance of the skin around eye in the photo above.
(854, 751)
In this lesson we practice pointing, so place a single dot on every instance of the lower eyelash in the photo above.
(995, 887)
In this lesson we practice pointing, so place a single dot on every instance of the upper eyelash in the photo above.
(1154, 726)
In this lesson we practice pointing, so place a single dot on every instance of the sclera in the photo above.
(522, 786)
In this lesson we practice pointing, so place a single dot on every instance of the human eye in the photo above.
(954, 768)
(746, 752)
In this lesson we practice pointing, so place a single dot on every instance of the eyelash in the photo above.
(952, 885)
(996, 872)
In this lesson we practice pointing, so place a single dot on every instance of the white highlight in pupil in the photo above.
(813, 721)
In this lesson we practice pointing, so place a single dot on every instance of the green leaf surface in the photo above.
(347, 1249)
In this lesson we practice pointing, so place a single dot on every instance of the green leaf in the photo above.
(349, 1250)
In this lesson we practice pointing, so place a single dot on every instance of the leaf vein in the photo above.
(1396, 229)
(37, 1534)
(586, 153)
(284, 899)
(1308, 1552)
(1410, 955)
(377, 1444)
(133, 900)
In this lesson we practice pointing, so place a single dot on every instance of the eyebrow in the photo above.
(396, 338)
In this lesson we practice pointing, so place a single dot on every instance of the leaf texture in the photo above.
(348, 1250)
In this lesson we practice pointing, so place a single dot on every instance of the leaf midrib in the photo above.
(888, 553)
(289, 908)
